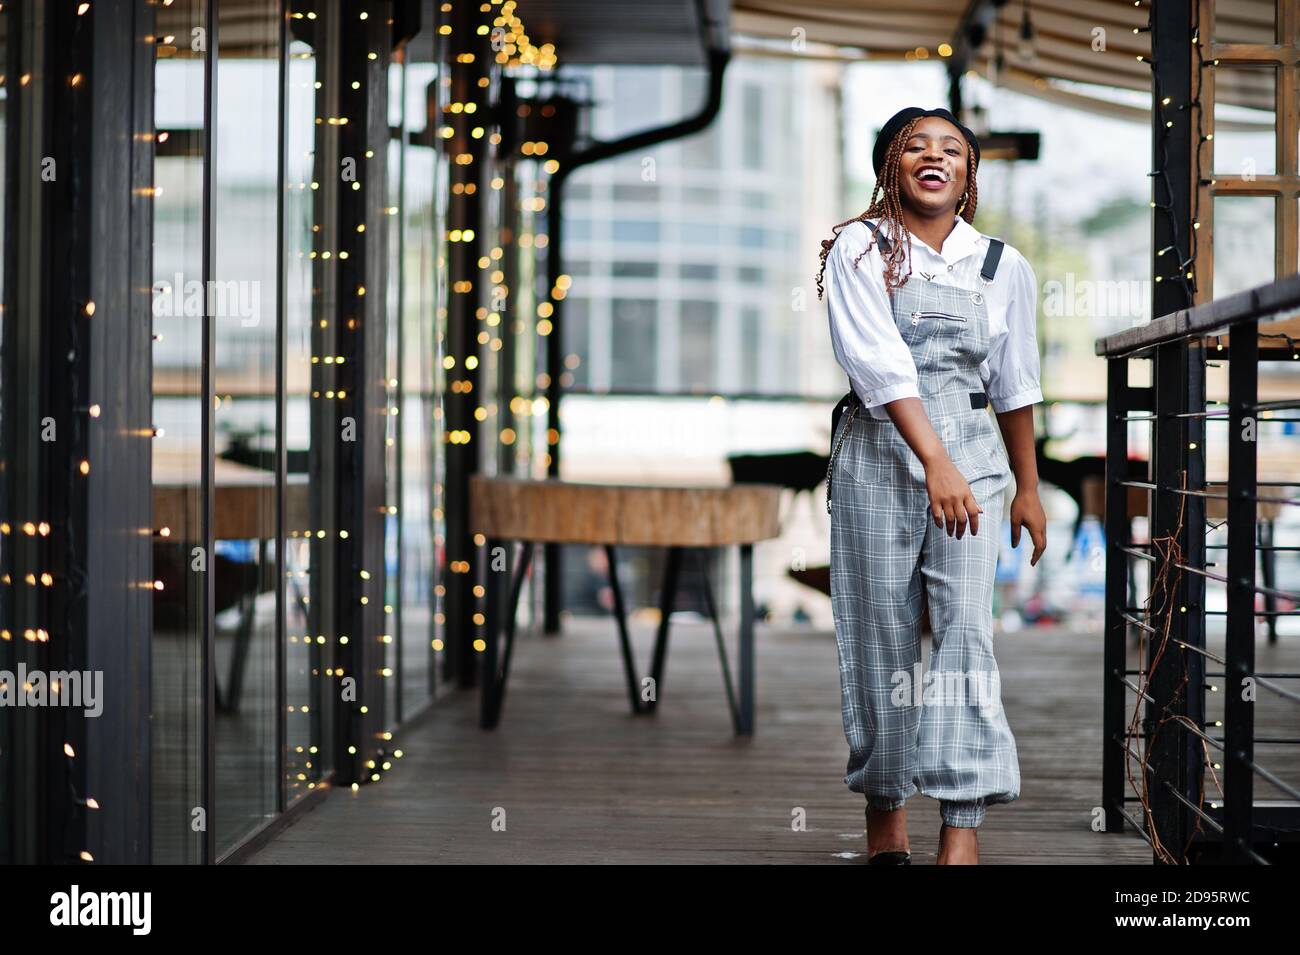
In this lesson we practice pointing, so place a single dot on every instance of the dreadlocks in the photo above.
(887, 206)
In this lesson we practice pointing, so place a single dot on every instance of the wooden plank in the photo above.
(565, 512)
(580, 780)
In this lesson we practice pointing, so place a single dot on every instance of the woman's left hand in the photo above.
(1027, 512)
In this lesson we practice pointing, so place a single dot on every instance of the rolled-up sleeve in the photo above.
(1013, 358)
(864, 338)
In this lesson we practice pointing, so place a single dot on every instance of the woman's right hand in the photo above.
(952, 505)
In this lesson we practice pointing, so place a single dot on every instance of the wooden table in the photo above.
(677, 518)
(244, 500)
(243, 509)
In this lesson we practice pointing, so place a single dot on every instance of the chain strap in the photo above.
(830, 465)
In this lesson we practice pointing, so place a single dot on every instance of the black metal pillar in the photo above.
(1176, 676)
(76, 493)
(1115, 636)
(1239, 651)
(468, 55)
(359, 79)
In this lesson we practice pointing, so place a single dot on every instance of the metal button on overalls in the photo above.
(943, 734)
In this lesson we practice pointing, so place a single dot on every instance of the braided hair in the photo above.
(887, 206)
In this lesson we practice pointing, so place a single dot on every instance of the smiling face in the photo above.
(932, 168)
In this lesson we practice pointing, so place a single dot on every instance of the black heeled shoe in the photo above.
(888, 856)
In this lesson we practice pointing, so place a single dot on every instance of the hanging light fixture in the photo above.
(1026, 49)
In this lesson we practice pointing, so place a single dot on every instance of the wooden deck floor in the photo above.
(579, 779)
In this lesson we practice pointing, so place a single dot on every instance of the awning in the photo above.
(628, 32)
(1077, 41)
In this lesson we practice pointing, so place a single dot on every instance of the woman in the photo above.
(932, 322)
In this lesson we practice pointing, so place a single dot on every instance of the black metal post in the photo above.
(207, 495)
(1178, 378)
(75, 496)
(281, 563)
(360, 75)
(745, 721)
(1239, 651)
(467, 55)
(1115, 635)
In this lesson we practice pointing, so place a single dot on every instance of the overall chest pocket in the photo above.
(920, 325)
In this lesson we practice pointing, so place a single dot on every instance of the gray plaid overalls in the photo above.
(943, 734)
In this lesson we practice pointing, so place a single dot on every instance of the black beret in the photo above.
(905, 116)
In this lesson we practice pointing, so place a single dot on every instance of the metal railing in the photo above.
(1193, 788)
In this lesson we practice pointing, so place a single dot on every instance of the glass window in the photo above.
(245, 561)
(701, 150)
(701, 233)
(750, 342)
(628, 230)
(1245, 103)
(310, 476)
(634, 343)
(577, 230)
(692, 270)
(179, 609)
(752, 123)
(635, 192)
(577, 342)
(699, 332)
(420, 437)
(1246, 21)
(635, 269)
(1243, 242)
(637, 102)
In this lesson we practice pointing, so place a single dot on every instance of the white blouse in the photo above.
(869, 347)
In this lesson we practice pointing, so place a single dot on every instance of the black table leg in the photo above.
(742, 709)
(667, 600)
(244, 632)
(493, 679)
(624, 641)
(727, 684)
(740, 703)
(745, 722)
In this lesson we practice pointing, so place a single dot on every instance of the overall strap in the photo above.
(991, 259)
(881, 239)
